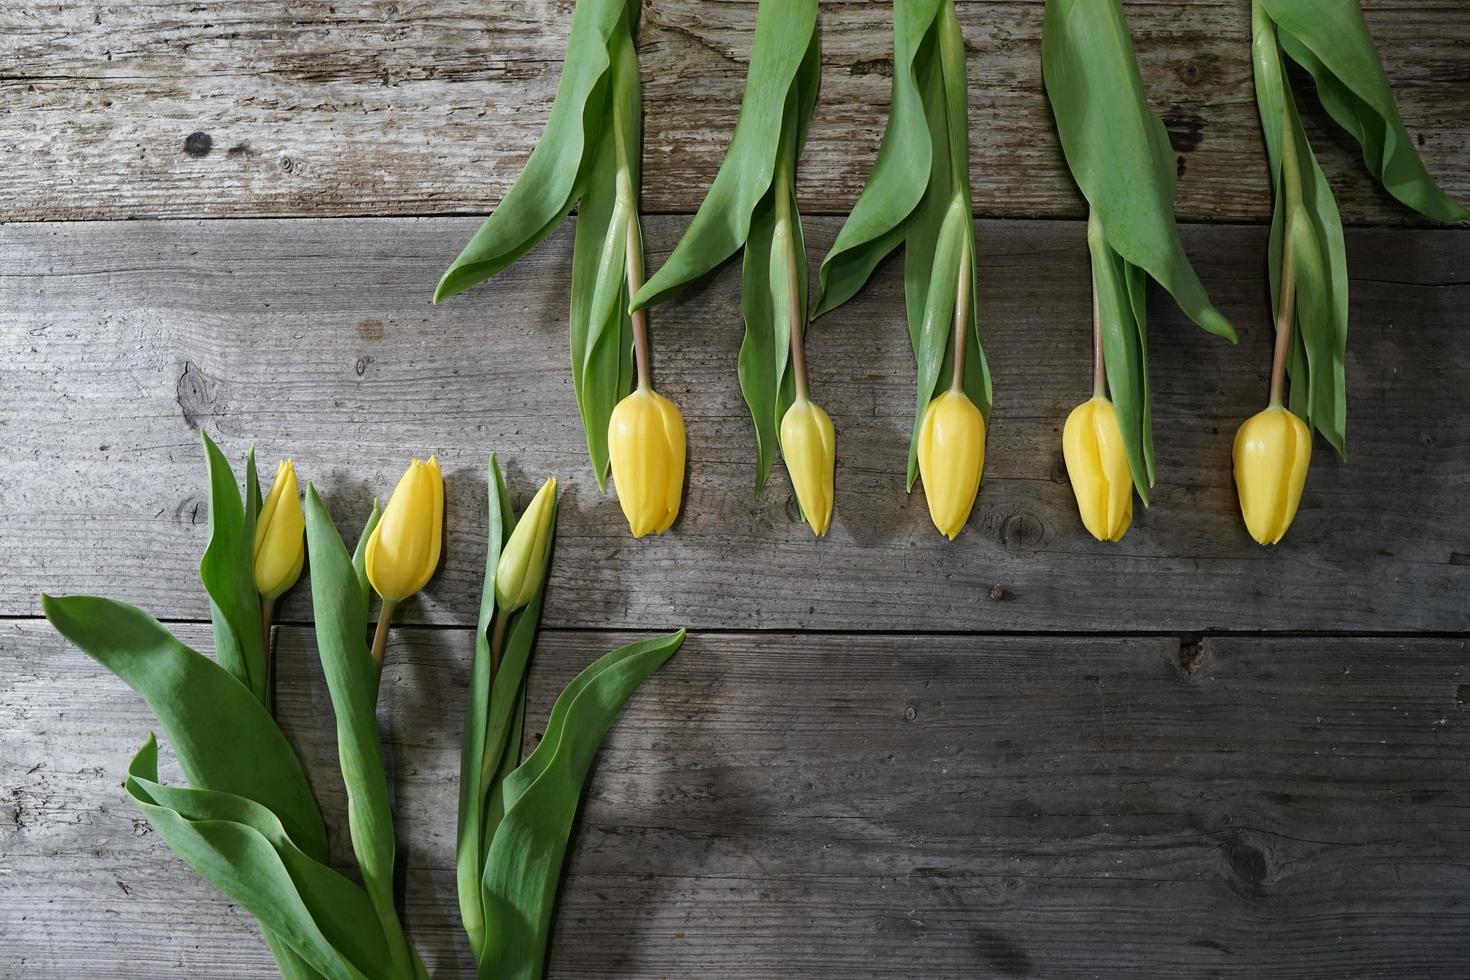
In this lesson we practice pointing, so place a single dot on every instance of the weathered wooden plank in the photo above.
(841, 806)
(208, 108)
(315, 339)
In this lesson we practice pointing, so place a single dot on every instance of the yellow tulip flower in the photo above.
(1272, 451)
(518, 573)
(280, 543)
(1097, 462)
(645, 439)
(403, 550)
(809, 445)
(951, 456)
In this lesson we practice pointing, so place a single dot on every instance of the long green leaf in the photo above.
(541, 799)
(225, 570)
(352, 682)
(601, 366)
(324, 917)
(469, 845)
(1120, 323)
(359, 554)
(1330, 39)
(222, 736)
(1116, 148)
(784, 33)
(1306, 219)
(548, 186)
(900, 173)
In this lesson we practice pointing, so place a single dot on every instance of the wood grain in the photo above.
(213, 108)
(315, 339)
(839, 807)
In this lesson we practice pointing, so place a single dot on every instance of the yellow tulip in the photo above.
(1272, 450)
(1097, 462)
(951, 456)
(403, 550)
(809, 445)
(645, 438)
(518, 573)
(280, 545)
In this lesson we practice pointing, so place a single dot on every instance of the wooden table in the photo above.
(1023, 753)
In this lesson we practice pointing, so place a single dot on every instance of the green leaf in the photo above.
(1330, 39)
(919, 194)
(900, 174)
(359, 555)
(469, 844)
(548, 187)
(1319, 344)
(601, 360)
(318, 913)
(1117, 289)
(222, 736)
(541, 799)
(494, 713)
(774, 289)
(352, 682)
(225, 570)
(785, 32)
(1117, 149)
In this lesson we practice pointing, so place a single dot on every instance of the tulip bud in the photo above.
(280, 543)
(809, 446)
(1272, 450)
(645, 439)
(522, 560)
(403, 550)
(1097, 462)
(951, 456)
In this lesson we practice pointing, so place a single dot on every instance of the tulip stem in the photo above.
(1286, 298)
(628, 199)
(961, 318)
(785, 192)
(497, 642)
(1099, 367)
(380, 635)
(267, 609)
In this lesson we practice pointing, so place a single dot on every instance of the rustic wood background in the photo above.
(1020, 754)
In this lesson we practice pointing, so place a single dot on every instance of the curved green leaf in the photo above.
(1330, 39)
(548, 186)
(900, 173)
(541, 799)
(492, 730)
(1115, 284)
(225, 570)
(1319, 344)
(352, 682)
(222, 736)
(601, 329)
(320, 913)
(785, 31)
(1116, 148)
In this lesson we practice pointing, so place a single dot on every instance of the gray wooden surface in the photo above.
(1020, 754)
(315, 339)
(842, 807)
(185, 108)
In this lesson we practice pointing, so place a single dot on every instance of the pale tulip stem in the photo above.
(267, 610)
(961, 319)
(628, 199)
(1286, 297)
(785, 191)
(497, 642)
(488, 766)
(380, 635)
(1099, 367)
